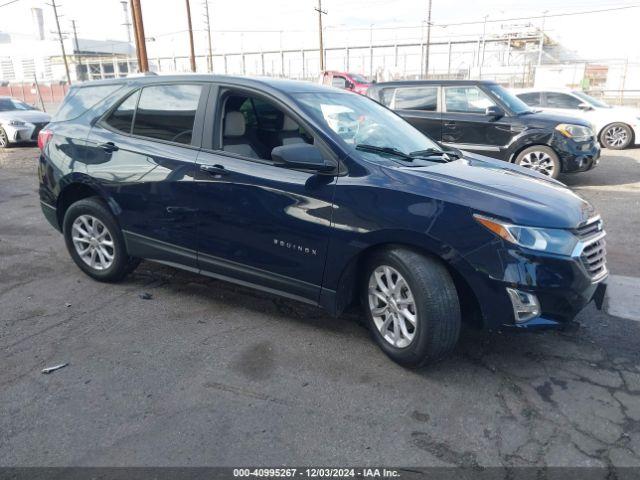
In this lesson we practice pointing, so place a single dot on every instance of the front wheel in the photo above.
(411, 306)
(541, 159)
(4, 139)
(616, 136)
(95, 241)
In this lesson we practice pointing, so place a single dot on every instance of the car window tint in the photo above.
(532, 98)
(339, 82)
(469, 99)
(167, 112)
(562, 100)
(81, 99)
(423, 98)
(122, 117)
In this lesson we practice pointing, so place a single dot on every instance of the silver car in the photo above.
(20, 122)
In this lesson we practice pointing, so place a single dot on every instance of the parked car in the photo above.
(483, 117)
(347, 81)
(19, 122)
(615, 127)
(318, 195)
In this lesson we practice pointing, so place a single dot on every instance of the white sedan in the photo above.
(20, 122)
(616, 127)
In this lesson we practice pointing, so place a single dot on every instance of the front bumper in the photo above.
(23, 133)
(576, 156)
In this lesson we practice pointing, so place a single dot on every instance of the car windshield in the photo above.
(10, 104)
(359, 78)
(589, 99)
(514, 104)
(368, 128)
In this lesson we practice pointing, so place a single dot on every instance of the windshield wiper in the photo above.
(385, 150)
(445, 156)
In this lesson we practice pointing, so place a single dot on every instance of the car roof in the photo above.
(536, 90)
(417, 83)
(280, 84)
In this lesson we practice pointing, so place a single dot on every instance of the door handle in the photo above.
(214, 169)
(109, 147)
(449, 124)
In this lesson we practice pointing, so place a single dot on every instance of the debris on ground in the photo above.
(67, 305)
(146, 296)
(54, 368)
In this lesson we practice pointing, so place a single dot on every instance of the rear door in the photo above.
(143, 155)
(466, 126)
(259, 223)
(419, 106)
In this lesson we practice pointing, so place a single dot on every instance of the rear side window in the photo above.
(167, 112)
(423, 98)
(122, 117)
(532, 99)
(81, 99)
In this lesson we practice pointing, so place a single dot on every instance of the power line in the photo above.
(9, 3)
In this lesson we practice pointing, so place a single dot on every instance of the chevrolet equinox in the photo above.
(320, 195)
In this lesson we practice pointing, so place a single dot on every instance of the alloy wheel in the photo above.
(4, 141)
(93, 242)
(540, 162)
(615, 136)
(392, 306)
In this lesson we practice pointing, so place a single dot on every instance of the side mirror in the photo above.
(494, 111)
(300, 156)
(585, 107)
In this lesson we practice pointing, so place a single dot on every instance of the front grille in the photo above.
(594, 258)
(591, 228)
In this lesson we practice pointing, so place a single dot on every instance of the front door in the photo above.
(260, 223)
(466, 126)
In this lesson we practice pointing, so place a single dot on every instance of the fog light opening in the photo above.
(525, 305)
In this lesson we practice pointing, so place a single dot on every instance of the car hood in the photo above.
(500, 189)
(31, 116)
(546, 119)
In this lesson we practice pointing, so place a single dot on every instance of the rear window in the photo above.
(81, 99)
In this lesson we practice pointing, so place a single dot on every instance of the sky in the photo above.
(252, 25)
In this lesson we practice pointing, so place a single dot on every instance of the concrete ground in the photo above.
(207, 373)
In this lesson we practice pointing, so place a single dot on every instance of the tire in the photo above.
(86, 221)
(4, 140)
(616, 136)
(541, 159)
(436, 308)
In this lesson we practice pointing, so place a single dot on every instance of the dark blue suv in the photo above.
(319, 195)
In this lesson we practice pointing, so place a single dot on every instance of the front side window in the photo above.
(562, 100)
(467, 99)
(360, 122)
(422, 98)
(339, 82)
(252, 126)
(167, 112)
(122, 117)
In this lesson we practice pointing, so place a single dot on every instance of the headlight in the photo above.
(16, 123)
(575, 132)
(551, 240)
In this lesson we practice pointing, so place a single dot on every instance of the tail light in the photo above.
(43, 138)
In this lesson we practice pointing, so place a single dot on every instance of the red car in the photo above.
(349, 81)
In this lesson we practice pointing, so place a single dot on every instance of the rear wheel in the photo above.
(4, 140)
(411, 305)
(95, 241)
(541, 159)
(616, 136)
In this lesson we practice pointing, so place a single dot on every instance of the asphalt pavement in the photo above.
(208, 373)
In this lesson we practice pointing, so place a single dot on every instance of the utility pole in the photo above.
(127, 22)
(426, 60)
(64, 54)
(544, 16)
(320, 13)
(77, 50)
(207, 22)
(481, 58)
(192, 52)
(138, 32)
